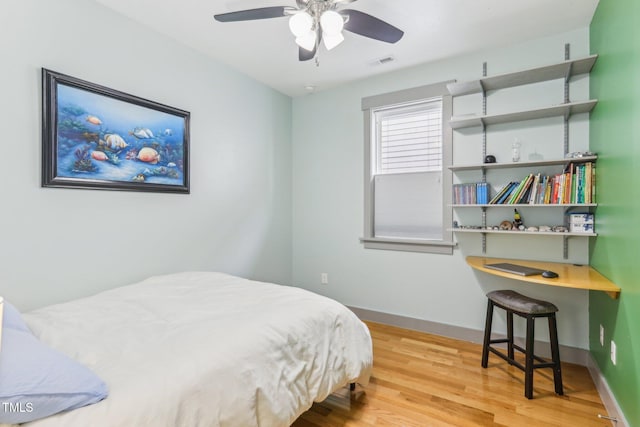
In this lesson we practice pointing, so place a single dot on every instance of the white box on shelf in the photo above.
(581, 218)
(581, 228)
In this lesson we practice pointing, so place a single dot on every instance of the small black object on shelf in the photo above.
(549, 274)
(490, 159)
(517, 219)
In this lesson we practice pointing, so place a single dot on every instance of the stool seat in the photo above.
(530, 309)
(514, 301)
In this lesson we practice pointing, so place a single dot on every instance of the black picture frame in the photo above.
(95, 137)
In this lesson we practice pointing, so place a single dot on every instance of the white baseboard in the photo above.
(568, 354)
(609, 401)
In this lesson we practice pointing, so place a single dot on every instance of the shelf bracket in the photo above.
(484, 226)
(484, 113)
(566, 136)
(567, 54)
(565, 239)
(484, 154)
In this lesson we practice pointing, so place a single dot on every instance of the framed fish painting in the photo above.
(100, 138)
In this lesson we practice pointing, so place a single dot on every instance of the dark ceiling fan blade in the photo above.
(253, 14)
(304, 54)
(370, 26)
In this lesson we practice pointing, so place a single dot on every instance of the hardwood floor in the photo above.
(427, 380)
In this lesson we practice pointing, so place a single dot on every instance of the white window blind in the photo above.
(408, 206)
(407, 151)
(407, 183)
(410, 138)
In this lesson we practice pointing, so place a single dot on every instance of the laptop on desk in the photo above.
(520, 270)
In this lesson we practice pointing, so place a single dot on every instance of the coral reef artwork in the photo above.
(105, 139)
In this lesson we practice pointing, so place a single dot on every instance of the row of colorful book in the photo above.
(469, 194)
(575, 185)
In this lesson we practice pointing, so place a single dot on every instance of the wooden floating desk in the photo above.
(569, 275)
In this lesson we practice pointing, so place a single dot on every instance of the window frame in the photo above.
(399, 98)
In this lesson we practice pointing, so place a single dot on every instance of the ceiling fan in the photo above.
(315, 20)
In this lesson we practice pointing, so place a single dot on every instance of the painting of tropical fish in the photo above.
(142, 133)
(94, 120)
(102, 138)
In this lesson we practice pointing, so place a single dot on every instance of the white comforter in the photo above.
(206, 349)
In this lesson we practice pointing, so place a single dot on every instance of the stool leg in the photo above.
(487, 334)
(555, 354)
(510, 335)
(528, 366)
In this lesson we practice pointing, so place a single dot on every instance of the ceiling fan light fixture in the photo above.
(331, 22)
(312, 20)
(333, 40)
(301, 24)
(308, 41)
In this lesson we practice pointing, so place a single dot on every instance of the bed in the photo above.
(205, 349)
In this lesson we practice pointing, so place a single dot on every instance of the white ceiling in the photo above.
(434, 29)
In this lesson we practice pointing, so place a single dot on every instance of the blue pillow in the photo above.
(12, 318)
(37, 381)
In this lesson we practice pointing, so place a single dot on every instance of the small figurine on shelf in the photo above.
(515, 150)
(517, 220)
(506, 225)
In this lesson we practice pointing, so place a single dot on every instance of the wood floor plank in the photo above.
(422, 380)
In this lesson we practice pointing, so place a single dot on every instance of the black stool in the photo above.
(529, 308)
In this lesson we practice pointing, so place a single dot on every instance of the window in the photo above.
(407, 149)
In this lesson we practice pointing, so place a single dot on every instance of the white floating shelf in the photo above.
(532, 164)
(527, 205)
(528, 233)
(566, 70)
(566, 110)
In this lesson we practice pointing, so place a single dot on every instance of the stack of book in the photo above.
(576, 185)
(470, 194)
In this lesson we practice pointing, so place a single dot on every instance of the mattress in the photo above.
(206, 349)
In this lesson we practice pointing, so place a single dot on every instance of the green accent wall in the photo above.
(615, 130)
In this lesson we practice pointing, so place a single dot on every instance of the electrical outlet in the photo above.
(324, 278)
(601, 336)
(613, 352)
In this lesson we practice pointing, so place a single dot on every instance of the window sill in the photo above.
(408, 245)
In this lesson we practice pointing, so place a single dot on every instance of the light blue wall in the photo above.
(328, 198)
(58, 244)
(294, 174)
